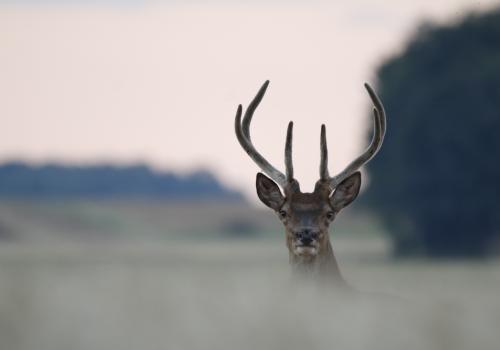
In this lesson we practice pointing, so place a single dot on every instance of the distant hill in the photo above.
(18, 179)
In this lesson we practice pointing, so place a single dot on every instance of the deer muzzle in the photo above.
(306, 242)
(306, 236)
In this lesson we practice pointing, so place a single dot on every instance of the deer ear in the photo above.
(269, 192)
(346, 191)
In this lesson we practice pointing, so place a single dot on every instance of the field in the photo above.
(224, 292)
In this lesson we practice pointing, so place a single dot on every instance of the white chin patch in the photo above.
(306, 250)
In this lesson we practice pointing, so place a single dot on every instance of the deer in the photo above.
(307, 217)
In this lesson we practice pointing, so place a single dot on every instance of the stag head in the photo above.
(307, 216)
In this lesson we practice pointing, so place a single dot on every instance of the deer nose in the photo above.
(306, 240)
(306, 236)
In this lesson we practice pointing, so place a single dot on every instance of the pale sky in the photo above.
(159, 81)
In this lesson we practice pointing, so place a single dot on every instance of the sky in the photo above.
(159, 81)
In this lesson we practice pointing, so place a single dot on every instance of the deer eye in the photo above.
(330, 215)
(282, 214)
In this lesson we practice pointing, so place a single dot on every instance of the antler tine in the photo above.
(378, 107)
(379, 121)
(323, 165)
(247, 118)
(288, 152)
(243, 134)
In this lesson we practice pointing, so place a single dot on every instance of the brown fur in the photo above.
(312, 213)
(307, 216)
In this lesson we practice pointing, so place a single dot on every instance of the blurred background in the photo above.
(128, 212)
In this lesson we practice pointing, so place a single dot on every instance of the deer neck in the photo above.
(323, 265)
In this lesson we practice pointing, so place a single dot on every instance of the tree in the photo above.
(436, 182)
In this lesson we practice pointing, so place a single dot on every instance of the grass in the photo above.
(237, 294)
(142, 275)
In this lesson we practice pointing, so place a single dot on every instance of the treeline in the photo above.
(18, 179)
(436, 181)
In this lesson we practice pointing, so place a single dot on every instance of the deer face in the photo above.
(307, 216)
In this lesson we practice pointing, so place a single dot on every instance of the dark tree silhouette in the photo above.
(436, 183)
(136, 181)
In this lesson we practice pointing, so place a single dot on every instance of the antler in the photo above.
(379, 122)
(242, 129)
